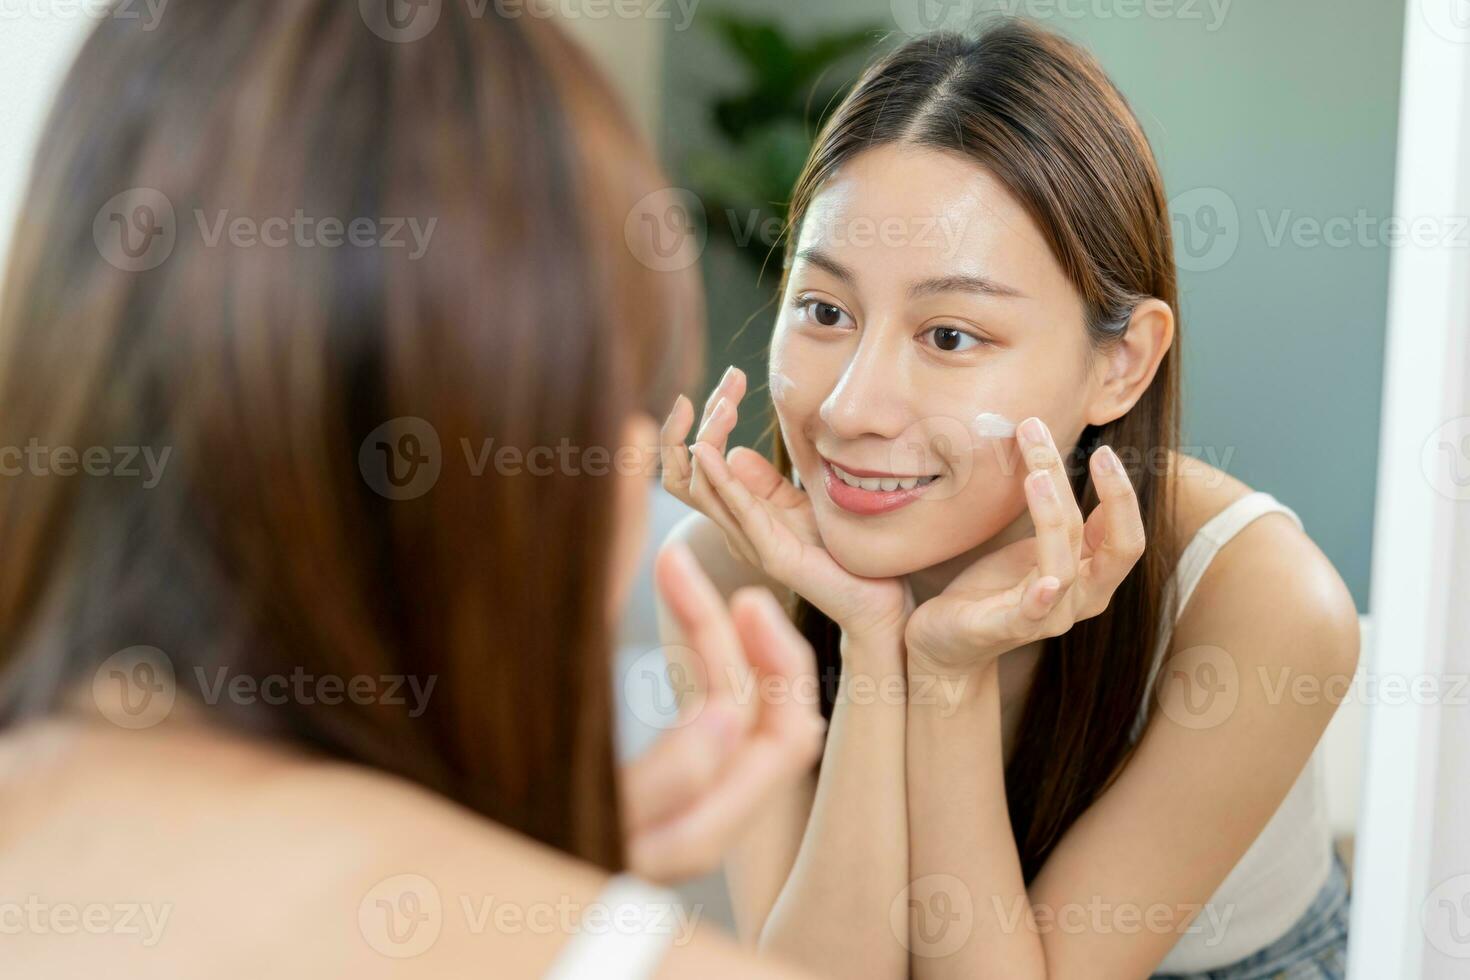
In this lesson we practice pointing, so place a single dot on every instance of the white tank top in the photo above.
(1276, 879)
(626, 940)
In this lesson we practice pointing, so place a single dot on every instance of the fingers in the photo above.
(1053, 506)
(720, 416)
(1027, 617)
(673, 455)
(784, 743)
(721, 411)
(680, 476)
(755, 522)
(731, 388)
(1114, 531)
(762, 479)
(774, 648)
(680, 765)
(699, 611)
(1018, 615)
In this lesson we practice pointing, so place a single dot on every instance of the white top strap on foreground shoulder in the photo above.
(1218, 531)
(623, 934)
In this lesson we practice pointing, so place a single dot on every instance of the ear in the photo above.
(631, 485)
(1124, 373)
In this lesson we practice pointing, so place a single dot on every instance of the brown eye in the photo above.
(826, 314)
(952, 339)
(822, 313)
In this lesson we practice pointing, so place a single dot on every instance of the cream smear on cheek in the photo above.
(779, 387)
(989, 425)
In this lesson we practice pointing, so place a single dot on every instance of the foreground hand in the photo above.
(687, 797)
(1042, 585)
(767, 520)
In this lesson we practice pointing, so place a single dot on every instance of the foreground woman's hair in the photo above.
(261, 370)
(1039, 114)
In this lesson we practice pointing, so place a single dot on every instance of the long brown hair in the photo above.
(266, 548)
(1039, 113)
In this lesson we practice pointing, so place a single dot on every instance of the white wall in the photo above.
(630, 51)
(37, 42)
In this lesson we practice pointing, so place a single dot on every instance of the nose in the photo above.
(869, 399)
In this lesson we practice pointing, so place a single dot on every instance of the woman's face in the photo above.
(921, 296)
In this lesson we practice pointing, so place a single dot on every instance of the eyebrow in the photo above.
(962, 283)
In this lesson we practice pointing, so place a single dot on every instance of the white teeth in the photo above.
(875, 483)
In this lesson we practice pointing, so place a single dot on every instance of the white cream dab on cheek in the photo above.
(993, 426)
(779, 386)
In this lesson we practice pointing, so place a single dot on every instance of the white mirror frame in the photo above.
(1421, 512)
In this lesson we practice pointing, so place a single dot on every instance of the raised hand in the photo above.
(686, 798)
(1042, 585)
(767, 520)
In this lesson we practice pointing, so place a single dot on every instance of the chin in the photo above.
(880, 554)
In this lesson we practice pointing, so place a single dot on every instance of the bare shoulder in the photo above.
(1270, 589)
(501, 901)
(348, 871)
(728, 572)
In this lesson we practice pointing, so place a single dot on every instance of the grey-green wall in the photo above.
(1285, 112)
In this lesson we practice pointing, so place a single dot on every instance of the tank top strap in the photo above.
(1196, 557)
(626, 943)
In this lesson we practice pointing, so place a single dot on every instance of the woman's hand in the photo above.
(1042, 585)
(768, 521)
(686, 798)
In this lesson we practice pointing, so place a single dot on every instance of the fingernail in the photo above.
(1033, 430)
(1110, 461)
(720, 407)
(1044, 484)
(726, 376)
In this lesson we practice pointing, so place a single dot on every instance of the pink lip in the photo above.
(867, 503)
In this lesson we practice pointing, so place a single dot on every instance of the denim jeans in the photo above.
(1314, 948)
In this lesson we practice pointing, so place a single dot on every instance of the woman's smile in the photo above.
(870, 492)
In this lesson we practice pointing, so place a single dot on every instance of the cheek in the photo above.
(800, 379)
